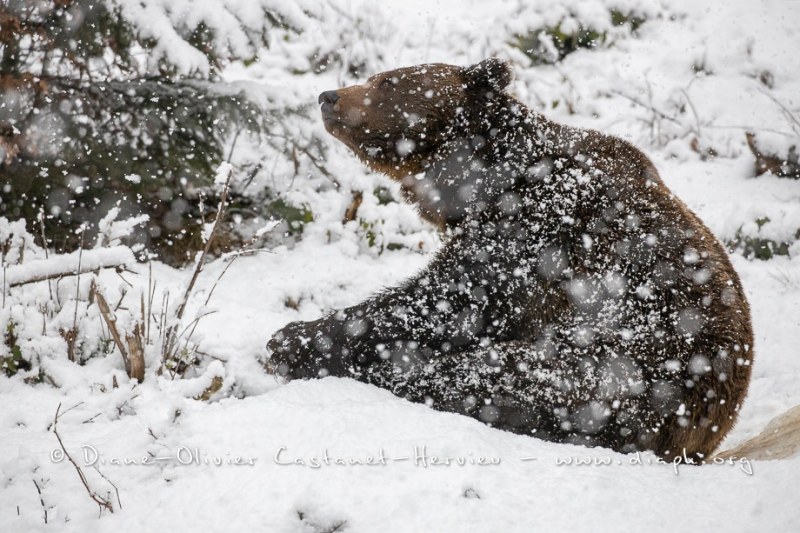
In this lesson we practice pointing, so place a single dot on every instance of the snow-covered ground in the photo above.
(260, 456)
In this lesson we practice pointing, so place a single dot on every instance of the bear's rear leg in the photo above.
(518, 387)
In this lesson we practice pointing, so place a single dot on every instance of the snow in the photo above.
(223, 174)
(626, 88)
(72, 263)
(238, 25)
(303, 422)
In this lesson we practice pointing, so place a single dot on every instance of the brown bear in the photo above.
(575, 298)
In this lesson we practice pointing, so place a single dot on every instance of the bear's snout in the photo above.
(328, 99)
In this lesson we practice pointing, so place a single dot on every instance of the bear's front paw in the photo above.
(299, 351)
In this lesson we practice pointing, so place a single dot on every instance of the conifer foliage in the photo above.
(110, 102)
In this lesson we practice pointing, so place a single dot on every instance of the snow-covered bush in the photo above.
(122, 100)
(53, 304)
(551, 44)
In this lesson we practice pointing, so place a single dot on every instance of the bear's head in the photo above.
(398, 120)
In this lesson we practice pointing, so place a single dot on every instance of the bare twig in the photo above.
(65, 412)
(311, 157)
(119, 273)
(233, 144)
(116, 490)
(44, 245)
(252, 175)
(193, 325)
(232, 256)
(793, 120)
(71, 354)
(224, 270)
(169, 344)
(162, 320)
(694, 111)
(650, 107)
(122, 297)
(748, 128)
(41, 499)
(144, 317)
(151, 292)
(71, 335)
(103, 503)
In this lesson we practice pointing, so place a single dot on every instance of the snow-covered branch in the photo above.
(72, 264)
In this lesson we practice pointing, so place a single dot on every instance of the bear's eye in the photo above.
(387, 83)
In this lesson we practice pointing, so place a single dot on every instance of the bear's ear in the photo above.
(493, 74)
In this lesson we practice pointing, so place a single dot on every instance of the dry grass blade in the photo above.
(352, 210)
(136, 354)
(133, 354)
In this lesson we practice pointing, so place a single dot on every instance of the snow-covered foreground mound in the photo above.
(430, 472)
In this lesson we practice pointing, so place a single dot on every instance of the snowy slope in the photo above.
(526, 491)
(692, 72)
